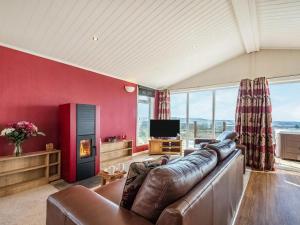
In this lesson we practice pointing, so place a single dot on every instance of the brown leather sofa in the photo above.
(209, 185)
(200, 143)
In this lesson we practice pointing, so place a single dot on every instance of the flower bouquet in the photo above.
(18, 132)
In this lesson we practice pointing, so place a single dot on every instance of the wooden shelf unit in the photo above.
(18, 173)
(165, 146)
(112, 153)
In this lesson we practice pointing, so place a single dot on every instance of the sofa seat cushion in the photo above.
(136, 175)
(165, 184)
(223, 148)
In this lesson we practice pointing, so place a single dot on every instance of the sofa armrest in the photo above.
(79, 205)
(243, 148)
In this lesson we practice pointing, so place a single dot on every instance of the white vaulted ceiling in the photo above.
(279, 24)
(151, 42)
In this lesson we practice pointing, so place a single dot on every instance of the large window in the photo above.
(285, 106)
(200, 115)
(225, 106)
(204, 114)
(178, 111)
(145, 113)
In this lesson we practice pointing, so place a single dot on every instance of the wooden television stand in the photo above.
(165, 146)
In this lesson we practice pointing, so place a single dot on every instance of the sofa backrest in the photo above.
(232, 135)
(166, 184)
(223, 148)
(212, 201)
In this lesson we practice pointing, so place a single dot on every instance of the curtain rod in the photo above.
(229, 84)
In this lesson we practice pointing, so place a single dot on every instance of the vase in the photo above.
(18, 149)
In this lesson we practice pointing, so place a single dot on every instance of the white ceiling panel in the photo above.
(152, 42)
(279, 23)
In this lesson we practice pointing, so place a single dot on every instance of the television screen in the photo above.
(164, 128)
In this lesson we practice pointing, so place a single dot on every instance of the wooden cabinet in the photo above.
(168, 146)
(112, 153)
(288, 145)
(28, 170)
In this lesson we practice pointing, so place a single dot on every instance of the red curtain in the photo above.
(263, 149)
(254, 123)
(164, 105)
(243, 118)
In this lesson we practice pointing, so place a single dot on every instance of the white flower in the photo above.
(7, 131)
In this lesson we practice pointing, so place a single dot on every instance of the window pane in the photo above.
(145, 113)
(286, 106)
(200, 115)
(225, 109)
(178, 111)
(143, 98)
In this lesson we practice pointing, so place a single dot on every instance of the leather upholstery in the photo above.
(79, 205)
(166, 184)
(202, 142)
(223, 149)
(113, 191)
(232, 135)
(212, 201)
(188, 151)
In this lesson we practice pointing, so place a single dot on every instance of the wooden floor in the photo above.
(271, 199)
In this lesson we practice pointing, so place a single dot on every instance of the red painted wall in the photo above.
(32, 88)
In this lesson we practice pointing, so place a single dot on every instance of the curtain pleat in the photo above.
(262, 125)
(164, 105)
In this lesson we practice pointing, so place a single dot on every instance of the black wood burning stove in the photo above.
(86, 146)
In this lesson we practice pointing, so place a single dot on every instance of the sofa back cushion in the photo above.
(136, 175)
(223, 148)
(165, 184)
(227, 135)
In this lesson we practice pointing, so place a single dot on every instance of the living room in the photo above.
(149, 112)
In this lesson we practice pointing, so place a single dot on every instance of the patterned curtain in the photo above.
(263, 149)
(243, 118)
(254, 123)
(164, 105)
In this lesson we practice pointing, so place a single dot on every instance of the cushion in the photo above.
(136, 175)
(166, 184)
(223, 148)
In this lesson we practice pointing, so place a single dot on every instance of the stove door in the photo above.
(86, 151)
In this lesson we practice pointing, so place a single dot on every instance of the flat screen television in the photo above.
(164, 128)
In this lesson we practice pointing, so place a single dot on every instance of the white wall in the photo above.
(268, 63)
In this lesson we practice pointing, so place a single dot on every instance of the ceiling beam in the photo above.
(245, 13)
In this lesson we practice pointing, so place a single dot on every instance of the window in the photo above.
(225, 105)
(200, 115)
(204, 114)
(285, 106)
(145, 113)
(178, 109)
